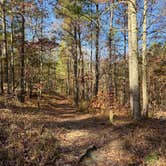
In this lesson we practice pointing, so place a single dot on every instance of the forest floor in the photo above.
(59, 135)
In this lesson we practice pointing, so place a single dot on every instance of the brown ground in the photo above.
(122, 143)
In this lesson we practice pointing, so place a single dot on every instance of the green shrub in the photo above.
(83, 106)
(151, 158)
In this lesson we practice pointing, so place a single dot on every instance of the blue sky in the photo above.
(54, 24)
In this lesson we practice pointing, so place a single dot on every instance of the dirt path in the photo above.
(123, 143)
(76, 132)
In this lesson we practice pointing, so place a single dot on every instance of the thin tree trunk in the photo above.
(91, 68)
(144, 66)
(68, 76)
(110, 79)
(2, 79)
(124, 76)
(91, 57)
(115, 72)
(82, 63)
(97, 53)
(41, 59)
(5, 54)
(133, 60)
(76, 85)
(48, 76)
(55, 84)
(22, 57)
(2, 57)
(12, 55)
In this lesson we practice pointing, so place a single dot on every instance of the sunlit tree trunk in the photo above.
(130, 54)
(125, 51)
(144, 66)
(133, 60)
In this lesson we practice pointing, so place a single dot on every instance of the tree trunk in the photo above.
(82, 63)
(76, 85)
(91, 68)
(5, 54)
(22, 57)
(48, 77)
(124, 76)
(2, 79)
(68, 76)
(91, 55)
(110, 79)
(144, 66)
(97, 53)
(133, 60)
(12, 54)
(114, 75)
(55, 81)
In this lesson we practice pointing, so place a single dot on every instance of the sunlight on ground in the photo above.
(75, 134)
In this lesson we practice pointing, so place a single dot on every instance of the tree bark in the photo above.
(5, 53)
(91, 56)
(82, 63)
(68, 76)
(22, 57)
(12, 54)
(133, 60)
(144, 65)
(114, 75)
(76, 84)
(97, 53)
(110, 79)
(2, 76)
(125, 43)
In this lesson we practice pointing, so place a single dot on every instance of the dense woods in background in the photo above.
(68, 65)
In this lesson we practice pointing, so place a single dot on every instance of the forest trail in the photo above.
(122, 143)
(78, 132)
